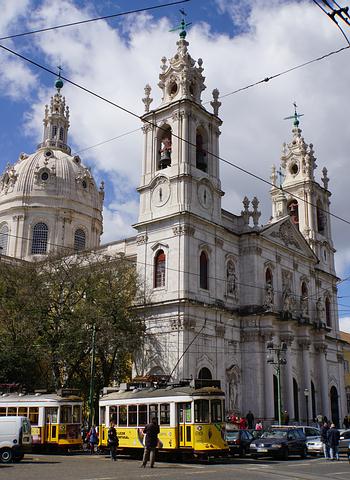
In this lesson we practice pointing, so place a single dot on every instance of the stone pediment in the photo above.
(286, 234)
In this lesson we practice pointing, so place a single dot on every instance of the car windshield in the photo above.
(232, 434)
(275, 434)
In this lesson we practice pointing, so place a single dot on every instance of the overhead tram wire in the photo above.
(90, 20)
(332, 17)
(126, 110)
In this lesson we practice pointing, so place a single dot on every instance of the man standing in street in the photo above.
(324, 439)
(250, 419)
(333, 437)
(113, 442)
(151, 432)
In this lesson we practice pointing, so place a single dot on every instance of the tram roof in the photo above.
(37, 398)
(170, 391)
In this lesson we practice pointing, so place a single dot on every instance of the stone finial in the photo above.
(147, 100)
(215, 103)
(102, 186)
(245, 213)
(325, 179)
(255, 213)
(200, 63)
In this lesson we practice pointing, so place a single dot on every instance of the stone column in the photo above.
(287, 375)
(321, 349)
(304, 344)
(341, 389)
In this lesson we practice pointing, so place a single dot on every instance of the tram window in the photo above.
(51, 414)
(123, 416)
(201, 411)
(12, 411)
(34, 415)
(66, 414)
(103, 415)
(132, 415)
(22, 412)
(142, 414)
(76, 413)
(113, 417)
(165, 414)
(153, 412)
(2, 411)
(216, 412)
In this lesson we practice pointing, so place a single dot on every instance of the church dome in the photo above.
(50, 188)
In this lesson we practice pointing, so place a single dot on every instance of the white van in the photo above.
(15, 438)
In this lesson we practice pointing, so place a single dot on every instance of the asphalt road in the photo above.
(86, 467)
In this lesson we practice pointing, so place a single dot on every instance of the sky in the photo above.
(240, 42)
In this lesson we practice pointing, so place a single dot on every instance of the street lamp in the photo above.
(92, 377)
(276, 358)
(306, 394)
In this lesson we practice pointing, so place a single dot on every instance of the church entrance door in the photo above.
(335, 406)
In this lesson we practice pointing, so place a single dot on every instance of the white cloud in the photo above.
(344, 324)
(278, 35)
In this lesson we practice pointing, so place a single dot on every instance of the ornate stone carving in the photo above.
(147, 100)
(304, 343)
(215, 103)
(184, 230)
(219, 242)
(220, 331)
(141, 239)
(287, 235)
(320, 347)
(268, 297)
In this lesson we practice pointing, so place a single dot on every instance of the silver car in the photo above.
(344, 441)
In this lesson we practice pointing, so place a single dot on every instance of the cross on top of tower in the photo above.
(182, 25)
(59, 81)
(295, 117)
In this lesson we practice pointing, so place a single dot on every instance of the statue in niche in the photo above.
(165, 153)
(320, 310)
(233, 380)
(304, 306)
(231, 279)
(287, 303)
(268, 299)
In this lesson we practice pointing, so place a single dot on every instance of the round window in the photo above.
(76, 159)
(294, 169)
(48, 153)
(84, 184)
(44, 176)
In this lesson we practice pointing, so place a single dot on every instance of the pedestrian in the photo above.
(259, 425)
(286, 418)
(333, 437)
(319, 419)
(324, 439)
(150, 432)
(250, 419)
(242, 424)
(93, 439)
(113, 441)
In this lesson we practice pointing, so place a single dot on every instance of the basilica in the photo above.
(229, 298)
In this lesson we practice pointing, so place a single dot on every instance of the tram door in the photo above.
(51, 430)
(184, 419)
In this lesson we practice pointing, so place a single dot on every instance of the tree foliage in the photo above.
(48, 311)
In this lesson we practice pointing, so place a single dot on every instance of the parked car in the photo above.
(280, 443)
(256, 433)
(344, 441)
(314, 446)
(238, 440)
(15, 438)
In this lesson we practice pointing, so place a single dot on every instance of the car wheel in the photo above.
(6, 455)
(304, 453)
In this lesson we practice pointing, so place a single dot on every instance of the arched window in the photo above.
(165, 146)
(203, 271)
(201, 154)
(293, 210)
(54, 131)
(79, 240)
(159, 269)
(61, 133)
(4, 235)
(328, 312)
(205, 374)
(39, 241)
(320, 217)
(268, 277)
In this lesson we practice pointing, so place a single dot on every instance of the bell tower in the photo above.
(302, 197)
(180, 171)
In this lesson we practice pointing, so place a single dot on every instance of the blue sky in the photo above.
(240, 42)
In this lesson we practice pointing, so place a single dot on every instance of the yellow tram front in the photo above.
(190, 417)
(55, 417)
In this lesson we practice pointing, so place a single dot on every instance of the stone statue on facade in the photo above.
(231, 280)
(287, 303)
(320, 312)
(268, 298)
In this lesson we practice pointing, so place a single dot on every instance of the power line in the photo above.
(332, 17)
(126, 110)
(95, 19)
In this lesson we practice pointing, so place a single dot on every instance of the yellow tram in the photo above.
(55, 417)
(190, 417)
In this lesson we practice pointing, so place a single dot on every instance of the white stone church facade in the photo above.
(219, 285)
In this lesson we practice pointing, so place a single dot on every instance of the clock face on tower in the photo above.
(205, 196)
(161, 193)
